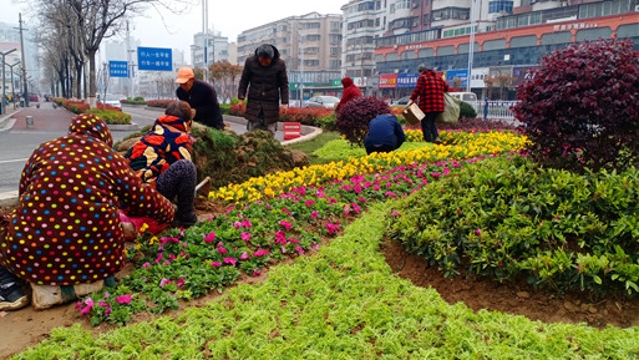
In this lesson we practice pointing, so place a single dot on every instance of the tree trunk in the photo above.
(91, 79)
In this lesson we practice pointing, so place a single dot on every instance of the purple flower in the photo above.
(124, 299)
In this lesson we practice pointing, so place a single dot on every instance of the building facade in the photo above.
(214, 46)
(10, 39)
(311, 46)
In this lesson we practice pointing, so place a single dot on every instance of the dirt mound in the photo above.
(227, 157)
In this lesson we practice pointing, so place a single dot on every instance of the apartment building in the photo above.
(311, 46)
(217, 49)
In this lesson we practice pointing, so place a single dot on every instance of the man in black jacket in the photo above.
(264, 78)
(202, 98)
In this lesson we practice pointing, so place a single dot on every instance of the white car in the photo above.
(114, 103)
(328, 102)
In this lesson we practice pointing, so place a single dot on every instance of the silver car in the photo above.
(328, 102)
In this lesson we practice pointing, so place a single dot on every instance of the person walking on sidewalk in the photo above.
(66, 229)
(429, 92)
(163, 158)
(201, 97)
(265, 78)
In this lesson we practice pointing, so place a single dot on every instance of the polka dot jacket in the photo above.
(66, 229)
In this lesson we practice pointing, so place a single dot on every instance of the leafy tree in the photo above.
(580, 109)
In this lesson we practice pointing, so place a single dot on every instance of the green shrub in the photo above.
(112, 117)
(327, 122)
(225, 109)
(510, 220)
(467, 110)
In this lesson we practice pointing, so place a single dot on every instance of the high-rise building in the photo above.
(311, 46)
(10, 39)
(216, 45)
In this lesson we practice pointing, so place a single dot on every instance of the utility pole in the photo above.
(24, 63)
(205, 33)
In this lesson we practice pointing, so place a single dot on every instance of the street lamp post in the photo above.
(471, 43)
(13, 90)
(4, 82)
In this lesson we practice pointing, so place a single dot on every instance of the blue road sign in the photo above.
(155, 59)
(118, 69)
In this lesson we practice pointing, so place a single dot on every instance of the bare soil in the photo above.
(25, 328)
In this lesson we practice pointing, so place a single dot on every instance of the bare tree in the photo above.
(92, 21)
(224, 74)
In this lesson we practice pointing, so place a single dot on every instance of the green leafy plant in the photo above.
(467, 110)
(111, 117)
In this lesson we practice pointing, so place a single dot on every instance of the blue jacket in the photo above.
(385, 130)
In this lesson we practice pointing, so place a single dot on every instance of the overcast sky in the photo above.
(229, 17)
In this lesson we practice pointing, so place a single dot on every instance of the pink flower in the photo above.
(164, 282)
(146, 265)
(356, 208)
(216, 264)
(391, 194)
(478, 232)
(260, 253)
(347, 210)
(283, 250)
(286, 211)
(314, 214)
(435, 175)
(237, 224)
(172, 257)
(210, 237)
(257, 272)
(315, 246)
(285, 224)
(299, 250)
(86, 310)
(124, 299)
(230, 261)
(180, 282)
(89, 302)
(331, 228)
(245, 256)
(309, 203)
(246, 236)
(222, 250)
(395, 213)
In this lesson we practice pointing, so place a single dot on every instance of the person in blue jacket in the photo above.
(385, 134)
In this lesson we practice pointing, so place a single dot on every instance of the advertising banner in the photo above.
(387, 81)
(457, 79)
(407, 80)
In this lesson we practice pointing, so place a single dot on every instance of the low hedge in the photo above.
(510, 220)
(111, 117)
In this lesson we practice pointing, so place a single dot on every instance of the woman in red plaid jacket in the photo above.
(430, 90)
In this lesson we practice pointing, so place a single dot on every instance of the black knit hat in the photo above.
(265, 51)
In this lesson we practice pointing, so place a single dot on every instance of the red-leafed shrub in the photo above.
(103, 106)
(352, 119)
(163, 103)
(581, 108)
(238, 109)
(306, 116)
(76, 107)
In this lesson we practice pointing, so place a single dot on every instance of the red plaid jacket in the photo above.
(430, 90)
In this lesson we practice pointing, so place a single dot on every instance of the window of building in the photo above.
(593, 34)
(335, 64)
(334, 51)
(335, 25)
(628, 31)
(496, 44)
(311, 37)
(563, 37)
(522, 41)
(495, 7)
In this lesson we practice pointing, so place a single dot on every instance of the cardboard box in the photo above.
(413, 114)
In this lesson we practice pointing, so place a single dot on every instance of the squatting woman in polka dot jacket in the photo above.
(66, 229)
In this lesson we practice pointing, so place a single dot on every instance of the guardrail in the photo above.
(497, 109)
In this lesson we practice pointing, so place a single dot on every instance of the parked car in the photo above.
(328, 102)
(403, 101)
(114, 103)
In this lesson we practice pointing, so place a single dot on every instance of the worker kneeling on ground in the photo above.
(385, 134)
